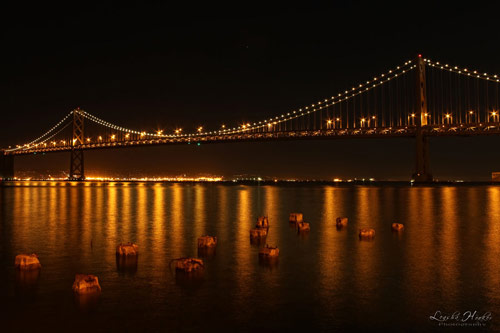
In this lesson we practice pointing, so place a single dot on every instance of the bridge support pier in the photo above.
(422, 170)
(76, 171)
(6, 167)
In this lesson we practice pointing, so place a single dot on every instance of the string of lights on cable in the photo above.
(43, 135)
(463, 71)
(363, 105)
(341, 97)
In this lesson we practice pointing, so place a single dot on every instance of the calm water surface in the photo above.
(447, 259)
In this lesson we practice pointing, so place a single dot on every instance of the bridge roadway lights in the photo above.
(6, 166)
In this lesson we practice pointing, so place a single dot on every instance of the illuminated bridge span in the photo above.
(420, 98)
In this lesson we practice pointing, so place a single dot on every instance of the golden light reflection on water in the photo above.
(447, 252)
(331, 255)
(98, 211)
(88, 227)
(365, 263)
(222, 219)
(199, 211)
(492, 270)
(141, 217)
(158, 230)
(243, 253)
(419, 252)
(126, 216)
(61, 215)
(451, 239)
(73, 217)
(111, 216)
(23, 206)
(53, 203)
(272, 208)
(176, 223)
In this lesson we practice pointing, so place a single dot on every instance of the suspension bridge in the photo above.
(420, 99)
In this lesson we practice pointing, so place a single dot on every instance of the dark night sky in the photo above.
(158, 66)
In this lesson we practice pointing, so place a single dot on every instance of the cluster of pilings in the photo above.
(127, 254)
(258, 235)
(341, 223)
(365, 233)
(126, 260)
(84, 285)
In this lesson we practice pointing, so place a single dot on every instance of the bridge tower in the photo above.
(6, 166)
(422, 169)
(76, 170)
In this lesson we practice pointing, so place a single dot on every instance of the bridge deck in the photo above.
(490, 128)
